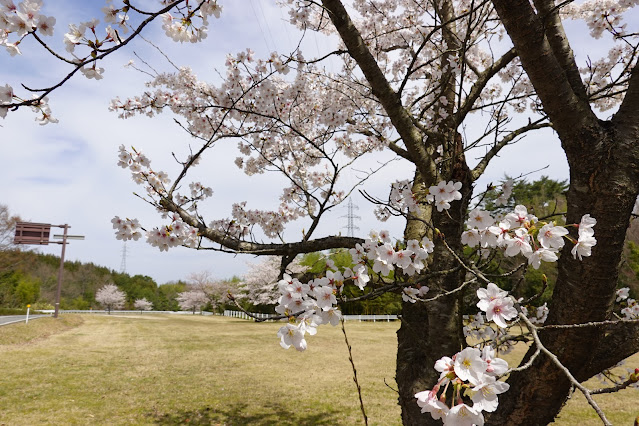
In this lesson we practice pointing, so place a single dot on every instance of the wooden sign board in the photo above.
(32, 233)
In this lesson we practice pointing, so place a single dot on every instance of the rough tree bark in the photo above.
(432, 330)
(604, 181)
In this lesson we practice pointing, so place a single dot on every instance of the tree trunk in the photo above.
(432, 330)
(604, 183)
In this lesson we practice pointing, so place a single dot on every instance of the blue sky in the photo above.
(67, 172)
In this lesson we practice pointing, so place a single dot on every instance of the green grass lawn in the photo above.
(209, 370)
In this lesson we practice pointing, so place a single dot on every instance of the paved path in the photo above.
(10, 319)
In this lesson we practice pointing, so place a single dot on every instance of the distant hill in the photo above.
(27, 277)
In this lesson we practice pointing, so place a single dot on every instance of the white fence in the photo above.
(227, 313)
(360, 318)
(373, 318)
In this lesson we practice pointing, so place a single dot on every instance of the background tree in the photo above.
(110, 297)
(7, 228)
(8, 255)
(217, 291)
(143, 305)
(259, 284)
(167, 296)
(192, 300)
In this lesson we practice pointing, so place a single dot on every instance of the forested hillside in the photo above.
(27, 277)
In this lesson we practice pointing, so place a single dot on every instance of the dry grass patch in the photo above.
(200, 370)
(174, 369)
(21, 333)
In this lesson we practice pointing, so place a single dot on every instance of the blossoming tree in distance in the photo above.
(411, 76)
(110, 297)
(143, 305)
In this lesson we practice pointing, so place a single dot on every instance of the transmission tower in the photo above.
(351, 216)
(123, 263)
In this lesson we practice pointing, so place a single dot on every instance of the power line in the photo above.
(259, 24)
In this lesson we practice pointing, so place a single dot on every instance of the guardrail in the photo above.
(360, 318)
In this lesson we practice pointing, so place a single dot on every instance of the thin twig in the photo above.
(589, 324)
(555, 360)
(390, 387)
(359, 389)
(526, 365)
(616, 388)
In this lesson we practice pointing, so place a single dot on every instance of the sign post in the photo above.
(38, 233)
(27, 320)
(59, 289)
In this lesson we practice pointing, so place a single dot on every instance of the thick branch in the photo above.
(401, 119)
(240, 246)
(560, 46)
(567, 111)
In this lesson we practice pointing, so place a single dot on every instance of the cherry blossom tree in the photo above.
(110, 297)
(7, 228)
(259, 284)
(8, 254)
(216, 291)
(192, 300)
(143, 305)
(412, 75)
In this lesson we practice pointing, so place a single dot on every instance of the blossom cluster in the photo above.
(519, 232)
(311, 304)
(41, 107)
(243, 220)
(175, 234)
(506, 191)
(497, 304)
(499, 308)
(601, 15)
(444, 193)
(472, 374)
(126, 229)
(631, 309)
(386, 257)
(402, 198)
(21, 20)
(541, 314)
(140, 166)
(184, 29)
